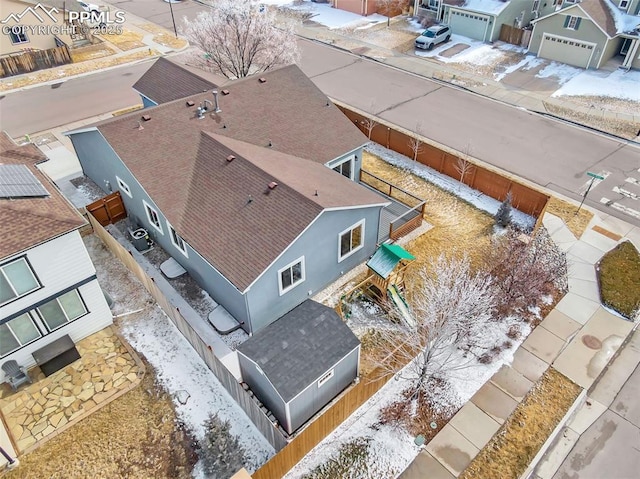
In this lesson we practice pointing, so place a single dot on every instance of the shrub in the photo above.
(221, 453)
(619, 277)
(503, 215)
(350, 462)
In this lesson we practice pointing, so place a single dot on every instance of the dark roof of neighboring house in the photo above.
(166, 81)
(601, 14)
(300, 347)
(30, 221)
(181, 162)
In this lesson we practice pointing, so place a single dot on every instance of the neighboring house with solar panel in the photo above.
(48, 285)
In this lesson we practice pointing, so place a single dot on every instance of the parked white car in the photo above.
(433, 36)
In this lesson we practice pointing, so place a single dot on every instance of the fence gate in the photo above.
(109, 209)
(511, 34)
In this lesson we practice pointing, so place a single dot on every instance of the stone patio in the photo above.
(107, 369)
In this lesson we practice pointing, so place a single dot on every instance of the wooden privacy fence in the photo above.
(29, 61)
(511, 34)
(489, 182)
(320, 428)
(227, 379)
(109, 209)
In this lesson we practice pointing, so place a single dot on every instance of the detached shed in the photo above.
(299, 363)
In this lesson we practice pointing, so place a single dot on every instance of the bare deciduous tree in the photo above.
(368, 122)
(463, 166)
(525, 269)
(387, 7)
(238, 39)
(415, 143)
(452, 312)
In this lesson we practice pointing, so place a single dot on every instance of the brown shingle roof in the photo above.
(29, 222)
(166, 81)
(601, 15)
(181, 161)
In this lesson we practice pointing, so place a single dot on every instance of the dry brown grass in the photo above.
(135, 436)
(623, 128)
(458, 227)
(127, 40)
(567, 212)
(91, 52)
(164, 37)
(520, 438)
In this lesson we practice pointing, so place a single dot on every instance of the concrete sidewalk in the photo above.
(578, 338)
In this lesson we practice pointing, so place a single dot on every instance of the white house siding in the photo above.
(59, 265)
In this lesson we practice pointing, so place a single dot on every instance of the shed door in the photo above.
(469, 25)
(566, 50)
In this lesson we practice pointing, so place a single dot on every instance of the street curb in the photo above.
(79, 75)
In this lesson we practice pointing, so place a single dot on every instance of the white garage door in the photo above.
(469, 24)
(566, 50)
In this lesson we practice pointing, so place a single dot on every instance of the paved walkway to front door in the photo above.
(107, 369)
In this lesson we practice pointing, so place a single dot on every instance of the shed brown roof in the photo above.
(166, 81)
(31, 221)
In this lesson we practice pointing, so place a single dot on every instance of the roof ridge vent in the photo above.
(262, 80)
(146, 117)
(272, 185)
(191, 103)
(225, 92)
(230, 158)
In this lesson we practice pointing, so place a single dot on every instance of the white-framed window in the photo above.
(572, 23)
(62, 310)
(345, 168)
(536, 6)
(350, 240)
(124, 187)
(177, 240)
(18, 35)
(291, 275)
(16, 279)
(325, 377)
(16, 333)
(152, 216)
(624, 4)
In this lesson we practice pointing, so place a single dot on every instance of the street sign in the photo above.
(593, 175)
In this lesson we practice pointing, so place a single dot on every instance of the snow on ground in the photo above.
(391, 448)
(464, 192)
(616, 84)
(179, 368)
(563, 73)
(334, 18)
(527, 63)
(414, 25)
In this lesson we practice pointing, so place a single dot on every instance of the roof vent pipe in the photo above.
(215, 100)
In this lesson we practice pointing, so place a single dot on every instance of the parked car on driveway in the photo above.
(433, 36)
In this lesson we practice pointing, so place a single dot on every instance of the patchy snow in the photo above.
(334, 18)
(492, 7)
(464, 192)
(624, 22)
(391, 448)
(179, 368)
(616, 84)
(563, 73)
(414, 25)
(527, 63)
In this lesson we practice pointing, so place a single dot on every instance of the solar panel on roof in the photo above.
(17, 181)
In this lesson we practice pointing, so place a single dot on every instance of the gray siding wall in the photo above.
(101, 164)
(314, 398)
(511, 12)
(554, 25)
(611, 49)
(319, 246)
(262, 388)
